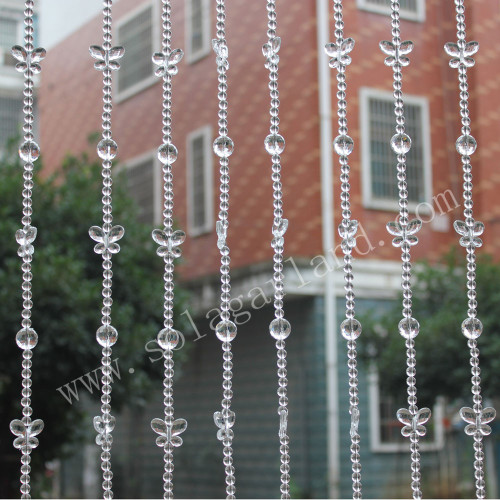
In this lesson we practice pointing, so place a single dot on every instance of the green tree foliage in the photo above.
(67, 301)
(439, 304)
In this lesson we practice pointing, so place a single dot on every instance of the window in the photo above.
(10, 35)
(385, 428)
(413, 10)
(197, 29)
(199, 180)
(136, 35)
(144, 186)
(380, 189)
(11, 116)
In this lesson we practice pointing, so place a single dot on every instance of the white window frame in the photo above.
(418, 16)
(157, 179)
(376, 444)
(206, 132)
(148, 80)
(192, 57)
(366, 175)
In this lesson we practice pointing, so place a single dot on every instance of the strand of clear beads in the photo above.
(408, 326)
(106, 334)
(168, 338)
(343, 145)
(280, 327)
(168, 278)
(470, 230)
(226, 329)
(26, 338)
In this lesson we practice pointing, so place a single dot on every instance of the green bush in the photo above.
(67, 300)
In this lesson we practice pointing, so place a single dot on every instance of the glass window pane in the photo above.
(198, 182)
(140, 181)
(382, 158)
(10, 119)
(136, 36)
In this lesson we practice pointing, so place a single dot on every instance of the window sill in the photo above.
(135, 89)
(194, 57)
(199, 231)
(393, 206)
(403, 447)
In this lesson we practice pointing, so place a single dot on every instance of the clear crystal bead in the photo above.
(223, 146)
(466, 145)
(29, 151)
(226, 331)
(274, 144)
(472, 328)
(343, 145)
(26, 338)
(107, 335)
(167, 154)
(408, 328)
(168, 338)
(107, 149)
(350, 329)
(280, 328)
(400, 143)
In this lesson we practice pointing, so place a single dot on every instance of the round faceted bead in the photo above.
(223, 146)
(274, 144)
(29, 151)
(343, 145)
(472, 328)
(400, 143)
(408, 328)
(350, 329)
(107, 335)
(107, 149)
(226, 331)
(167, 154)
(26, 338)
(466, 145)
(280, 328)
(168, 338)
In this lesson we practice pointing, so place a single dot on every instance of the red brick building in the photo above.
(70, 95)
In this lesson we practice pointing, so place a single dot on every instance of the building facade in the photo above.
(70, 97)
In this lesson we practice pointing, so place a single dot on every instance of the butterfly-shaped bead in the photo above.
(26, 440)
(169, 244)
(221, 230)
(404, 235)
(222, 53)
(348, 232)
(339, 53)
(167, 63)
(168, 433)
(354, 421)
(270, 51)
(25, 238)
(279, 230)
(461, 57)
(104, 429)
(469, 235)
(478, 422)
(413, 423)
(396, 52)
(224, 423)
(283, 413)
(106, 59)
(106, 240)
(28, 60)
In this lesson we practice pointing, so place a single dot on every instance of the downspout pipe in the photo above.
(328, 223)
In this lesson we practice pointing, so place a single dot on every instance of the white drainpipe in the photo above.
(325, 105)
